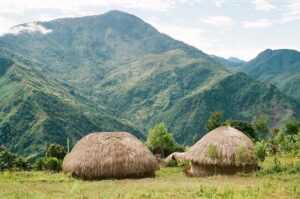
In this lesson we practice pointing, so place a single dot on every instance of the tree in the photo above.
(159, 139)
(292, 127)
(243, 126)
(260, 151)
(243, 157)
(212, 153)
(214, 121)
(56, 150)
(261, 126)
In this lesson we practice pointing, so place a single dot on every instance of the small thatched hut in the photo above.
(227, 141)
(178, 156)
(110, 155)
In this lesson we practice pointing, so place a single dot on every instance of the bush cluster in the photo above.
(278, 168)
(51, 162)
(12, 162)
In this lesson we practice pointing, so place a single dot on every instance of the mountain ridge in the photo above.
(279, 67)
(120, 73)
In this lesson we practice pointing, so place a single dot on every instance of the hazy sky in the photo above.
(240, 28)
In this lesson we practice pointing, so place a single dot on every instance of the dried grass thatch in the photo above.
(110, 155)
(175, 156)
(227, 140)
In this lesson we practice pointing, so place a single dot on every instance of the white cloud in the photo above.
(292, 12)
(263, 5)
(27, 28)
(224, 21)
(257, 24)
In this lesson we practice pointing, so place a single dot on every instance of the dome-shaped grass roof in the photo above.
(110, 155)
(227, 141)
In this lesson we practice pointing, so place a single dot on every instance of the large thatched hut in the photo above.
(226, 143)
(110, 155)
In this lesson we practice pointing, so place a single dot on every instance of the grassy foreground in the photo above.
(170, 183)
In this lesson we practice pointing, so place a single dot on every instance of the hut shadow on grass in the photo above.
(83, 178)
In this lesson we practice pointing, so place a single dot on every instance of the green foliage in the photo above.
(278, 168)
(160, 140)
(244, 127)
(10, 161)
(260, 151)
(282, 142)
(292, 127)
(214, 121)
(53, 164)
(274, 132)
(260, 124)
(39, 164)
(243, 157)
(56, 150)
(212, 153)
(288, 143)
(48, 164)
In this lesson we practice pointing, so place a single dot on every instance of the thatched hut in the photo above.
(178, 156)
(226, 142)
(110, 155)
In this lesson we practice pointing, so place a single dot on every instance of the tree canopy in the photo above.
(56, 151)
(159, 139)
(214, 121)
(261, 126)
(243, 126)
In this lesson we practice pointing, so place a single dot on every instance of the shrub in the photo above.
(53, 164)
(278, 168)
(260, 151)
(39, 164)
(11, 161)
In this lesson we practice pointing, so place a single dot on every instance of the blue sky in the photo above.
(221, 27)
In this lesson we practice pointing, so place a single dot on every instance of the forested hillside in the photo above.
(115, 72)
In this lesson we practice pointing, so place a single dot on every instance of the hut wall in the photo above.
(205, 170)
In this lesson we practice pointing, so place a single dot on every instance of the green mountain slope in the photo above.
(278, 67)
(233, 94)
(116, 66)
(35, 112)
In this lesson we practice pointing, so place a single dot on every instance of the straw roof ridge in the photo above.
(227, 140)
(110, 155)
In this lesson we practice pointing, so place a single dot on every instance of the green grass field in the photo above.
(169, 183)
